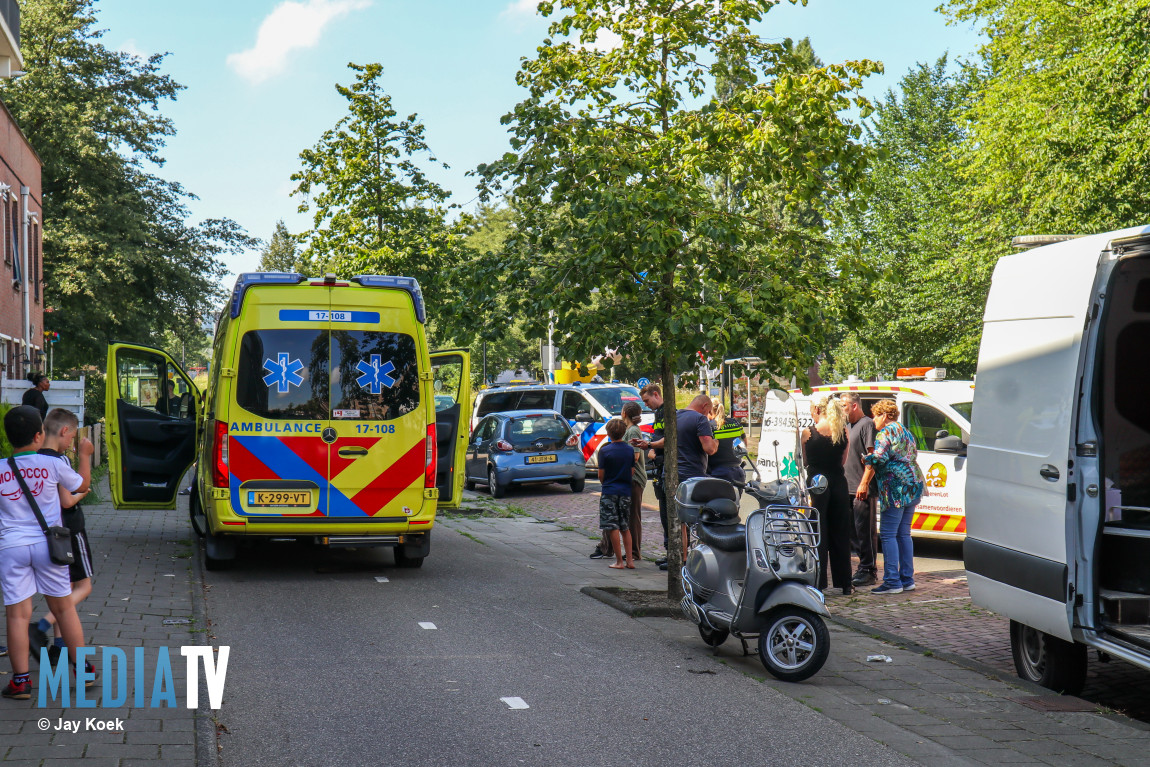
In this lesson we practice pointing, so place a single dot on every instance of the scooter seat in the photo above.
(723, 537)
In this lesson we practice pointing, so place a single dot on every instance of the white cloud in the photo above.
(606, 41)
(518, 9)
(132, 49)
(290, 26)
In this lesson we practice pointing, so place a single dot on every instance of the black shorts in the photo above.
(615, 512)
(81, 568)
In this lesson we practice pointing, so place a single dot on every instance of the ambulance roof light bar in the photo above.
(410, 284)
(920, 374)
(246, 279)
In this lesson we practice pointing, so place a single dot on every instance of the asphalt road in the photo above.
(330, 666)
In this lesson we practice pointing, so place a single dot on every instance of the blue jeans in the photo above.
(897, 550)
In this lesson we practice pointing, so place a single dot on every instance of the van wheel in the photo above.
(497, 490)
(468, 484)
(1047, 660)
(577, 484)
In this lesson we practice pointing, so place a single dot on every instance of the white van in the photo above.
(927, 406)
(1058, 481)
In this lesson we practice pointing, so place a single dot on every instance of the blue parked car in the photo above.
(522, 447)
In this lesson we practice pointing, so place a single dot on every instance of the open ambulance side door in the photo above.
(451, 384)
(152, 412)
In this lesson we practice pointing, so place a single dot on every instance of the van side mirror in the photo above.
(949, 444)
(584, 418)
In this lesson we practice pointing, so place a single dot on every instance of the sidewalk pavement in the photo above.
(935, 707)
(145, 574)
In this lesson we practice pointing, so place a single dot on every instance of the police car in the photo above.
(587, 407)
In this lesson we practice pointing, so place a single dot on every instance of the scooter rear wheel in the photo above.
(795, 644)
(713, 637)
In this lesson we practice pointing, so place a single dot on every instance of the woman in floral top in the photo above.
(900, 485)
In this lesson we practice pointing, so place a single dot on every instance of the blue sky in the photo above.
(260, 75)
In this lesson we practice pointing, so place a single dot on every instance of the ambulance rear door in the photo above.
(451, 386)
(379, 426)
(152, 411)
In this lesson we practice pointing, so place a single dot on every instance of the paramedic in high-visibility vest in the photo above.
(724, 464)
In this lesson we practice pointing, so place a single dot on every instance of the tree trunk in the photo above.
(671, 482)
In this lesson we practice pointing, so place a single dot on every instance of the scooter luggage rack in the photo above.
(790, 530)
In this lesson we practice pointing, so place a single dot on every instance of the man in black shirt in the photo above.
(696, 438)
(864, 534)
(35, 395)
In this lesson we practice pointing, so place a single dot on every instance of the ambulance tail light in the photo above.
(431, 456)
(220, 470)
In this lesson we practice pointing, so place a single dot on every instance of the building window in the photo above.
(4, 232)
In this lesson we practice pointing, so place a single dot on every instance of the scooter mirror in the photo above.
(818, 485)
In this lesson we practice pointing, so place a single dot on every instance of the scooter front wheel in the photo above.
(795, 644)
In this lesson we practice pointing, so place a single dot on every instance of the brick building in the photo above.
(21, 217)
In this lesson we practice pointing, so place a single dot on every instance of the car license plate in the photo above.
(290, 498)
(542, 458)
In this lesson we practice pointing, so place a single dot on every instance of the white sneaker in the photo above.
(911, 587)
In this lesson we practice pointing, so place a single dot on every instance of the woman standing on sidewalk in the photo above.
(825, 452)
(900, 486)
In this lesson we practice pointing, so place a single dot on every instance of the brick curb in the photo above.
(206, 739)
(623, 606)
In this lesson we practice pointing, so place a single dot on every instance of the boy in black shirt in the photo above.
(59, 433)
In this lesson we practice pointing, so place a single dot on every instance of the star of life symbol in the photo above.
(283, 374)
(375, 375)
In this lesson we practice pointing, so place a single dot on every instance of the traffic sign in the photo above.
(643, 382)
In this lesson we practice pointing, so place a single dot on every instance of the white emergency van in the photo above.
(1058, 481)
(928, 406)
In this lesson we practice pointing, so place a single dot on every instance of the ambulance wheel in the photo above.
(578, 484)
(196, 514)
(1047, 660)
(219, 552)
(403, 560)
(795, 643)
(497, 490)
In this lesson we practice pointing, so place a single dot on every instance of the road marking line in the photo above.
(381, 579)
(515, 703)
(426, 625)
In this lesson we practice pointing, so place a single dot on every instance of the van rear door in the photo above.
(451, 384)
(152, 411)
(1021, 435)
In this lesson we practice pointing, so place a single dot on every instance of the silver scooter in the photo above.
(758, 579)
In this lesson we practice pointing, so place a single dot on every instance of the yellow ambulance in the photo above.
(326, 419)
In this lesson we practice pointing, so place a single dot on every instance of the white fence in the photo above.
(65, 394)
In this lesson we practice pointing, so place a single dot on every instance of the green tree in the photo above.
(1056, 129)
(374, 209)
(120, 258)
(282, 252)
(504, 336)
(918, 309)
(613, 151)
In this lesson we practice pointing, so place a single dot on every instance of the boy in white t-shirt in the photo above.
(25, 567)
